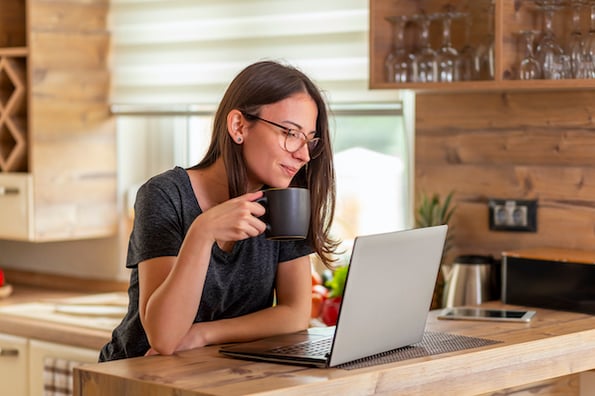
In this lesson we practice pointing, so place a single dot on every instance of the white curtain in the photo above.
(187, 51)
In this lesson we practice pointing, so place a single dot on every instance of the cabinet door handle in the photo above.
(9, 352)
(8, 190)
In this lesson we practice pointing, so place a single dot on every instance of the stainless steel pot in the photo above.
(469, 281)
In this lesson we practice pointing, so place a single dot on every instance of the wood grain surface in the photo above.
(521, 145)
(554, 344)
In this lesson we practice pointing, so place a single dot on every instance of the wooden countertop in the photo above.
(554, 344)
(44, 330)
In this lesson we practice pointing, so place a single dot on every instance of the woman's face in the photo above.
(267, 162)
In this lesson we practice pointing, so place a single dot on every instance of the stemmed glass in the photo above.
(466, 54)
(484, 55)
(425, 57)
(399, 63)
(447, 58)
(548, 48)
(589, 51)
(576, 42)
(529, 68)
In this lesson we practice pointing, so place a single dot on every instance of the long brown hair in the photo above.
(265, 83)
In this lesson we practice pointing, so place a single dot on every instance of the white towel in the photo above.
(57, 376)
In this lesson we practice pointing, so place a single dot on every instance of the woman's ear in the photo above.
(235, 126)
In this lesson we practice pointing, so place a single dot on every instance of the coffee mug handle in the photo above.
(264, 202)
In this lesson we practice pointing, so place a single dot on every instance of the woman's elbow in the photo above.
(162, 346)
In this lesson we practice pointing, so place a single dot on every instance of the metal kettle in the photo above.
(469, 281)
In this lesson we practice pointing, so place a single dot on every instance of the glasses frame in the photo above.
(314, 149)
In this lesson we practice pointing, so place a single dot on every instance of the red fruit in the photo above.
(317, 302)
(1, 277)
(330, 310)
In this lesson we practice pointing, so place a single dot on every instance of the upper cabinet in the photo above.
(57, 136)
(464, 45)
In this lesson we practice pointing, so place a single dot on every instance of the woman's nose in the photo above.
(302, 153)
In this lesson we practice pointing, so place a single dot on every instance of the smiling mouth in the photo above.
(289, 169)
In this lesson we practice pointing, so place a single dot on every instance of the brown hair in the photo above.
(265, 83)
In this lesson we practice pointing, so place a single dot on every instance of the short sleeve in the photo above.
(290, 250)
(158, 225)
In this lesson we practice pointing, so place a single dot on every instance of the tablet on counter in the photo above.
(505, 315)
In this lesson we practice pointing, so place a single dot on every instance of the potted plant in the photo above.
(433, 211)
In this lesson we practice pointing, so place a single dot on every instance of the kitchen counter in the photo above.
(554, 344)
(49, 331)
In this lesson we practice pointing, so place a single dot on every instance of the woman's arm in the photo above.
(290, 314)
(170, 288)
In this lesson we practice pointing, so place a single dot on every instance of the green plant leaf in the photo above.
(336, 284)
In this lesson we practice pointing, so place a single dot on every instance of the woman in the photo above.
(202, 271)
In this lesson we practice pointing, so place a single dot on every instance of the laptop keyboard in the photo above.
(320, 347)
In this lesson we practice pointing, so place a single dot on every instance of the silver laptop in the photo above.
(385, 305)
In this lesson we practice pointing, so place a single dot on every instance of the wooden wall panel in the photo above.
(72, 132)
(80, 15)
(524, 145)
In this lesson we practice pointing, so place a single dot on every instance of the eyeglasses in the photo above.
(294, 139)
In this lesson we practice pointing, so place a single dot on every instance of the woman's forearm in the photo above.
(268, 322)
(172, 306)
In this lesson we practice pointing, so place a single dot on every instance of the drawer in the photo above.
(13, 365)
(16, 206)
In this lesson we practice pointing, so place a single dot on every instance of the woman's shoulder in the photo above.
(172, 178)
(172, 182)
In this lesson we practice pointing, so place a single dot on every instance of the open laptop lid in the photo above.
(388, 292)
(386, 300)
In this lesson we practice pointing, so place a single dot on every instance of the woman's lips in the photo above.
(290, 170)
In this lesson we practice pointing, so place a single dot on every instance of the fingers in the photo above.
(235, 219)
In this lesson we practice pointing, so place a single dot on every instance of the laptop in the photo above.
(387, 297)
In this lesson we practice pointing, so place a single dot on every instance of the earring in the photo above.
(239, 139)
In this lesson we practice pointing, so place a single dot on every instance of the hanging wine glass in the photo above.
(447, 58)
(399, 64)
(589, 50)
(484, 65)
(529, 68)
(548, 48)
(466, 54)
(576, 42)
(425, 57)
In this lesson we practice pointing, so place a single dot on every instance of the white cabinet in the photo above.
(13, 365)
(50, 366)
(33, 368)
(16, 206)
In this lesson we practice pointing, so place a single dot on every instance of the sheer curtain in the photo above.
(187, 51)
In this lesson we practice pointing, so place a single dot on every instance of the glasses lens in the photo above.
(296, 140)
(315, 147)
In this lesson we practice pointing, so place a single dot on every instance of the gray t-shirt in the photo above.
(237, 282)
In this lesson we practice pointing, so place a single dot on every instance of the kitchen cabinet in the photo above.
(506, 18)
(13, 365)
(57, 136)
(51, 365)
(34, 368)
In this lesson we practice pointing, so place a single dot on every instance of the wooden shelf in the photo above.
(502, 85)
(14, 51)
(509, 17)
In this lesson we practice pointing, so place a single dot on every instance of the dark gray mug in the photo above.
(287, 213)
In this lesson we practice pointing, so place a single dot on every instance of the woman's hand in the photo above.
(233, 220)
